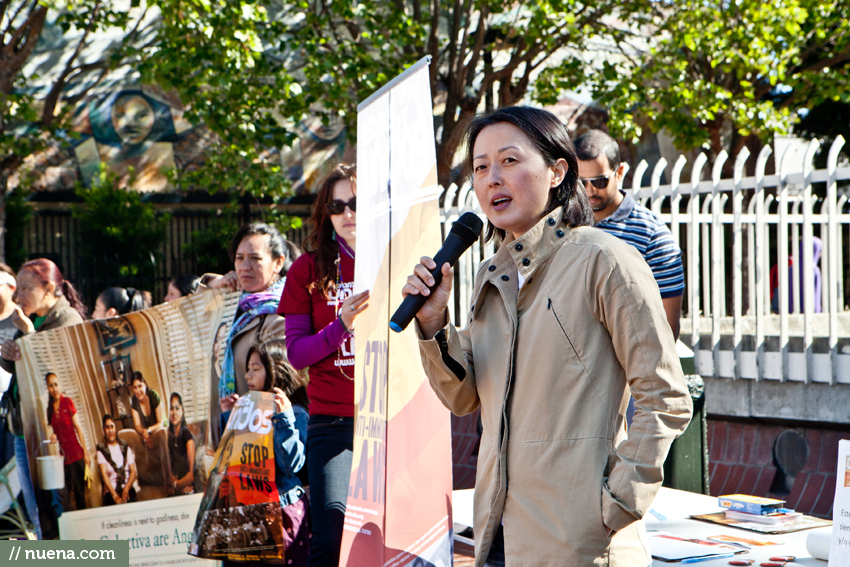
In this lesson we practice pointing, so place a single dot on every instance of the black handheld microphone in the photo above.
(464, 232)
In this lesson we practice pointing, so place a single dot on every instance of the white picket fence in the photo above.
(732, 232)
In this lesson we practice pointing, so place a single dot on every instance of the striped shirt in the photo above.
(637, 225)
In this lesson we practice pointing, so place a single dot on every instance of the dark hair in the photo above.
(123, 299)
(50, 401)
(138, 376)
(183, 419)
(186, 284)
(6, 268)
(550, 137)
(107, 417)
(321, 238)
(279, 372)
(279, 247)
(46, 271)
(594, 143)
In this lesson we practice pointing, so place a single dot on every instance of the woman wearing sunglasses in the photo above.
(320, 310)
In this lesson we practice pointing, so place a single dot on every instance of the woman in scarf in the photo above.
(261, 258)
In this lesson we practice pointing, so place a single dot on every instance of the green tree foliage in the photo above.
(699, 69)
(225, 60)
(120, 237)
(484, 52)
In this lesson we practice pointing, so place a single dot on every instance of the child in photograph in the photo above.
(117, 465)
(268, 370)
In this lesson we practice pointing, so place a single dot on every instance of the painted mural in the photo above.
(133, 133)
(321, 144)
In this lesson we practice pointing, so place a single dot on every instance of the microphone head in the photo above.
(467, 228)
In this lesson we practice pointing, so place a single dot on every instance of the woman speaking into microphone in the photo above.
(564, 321)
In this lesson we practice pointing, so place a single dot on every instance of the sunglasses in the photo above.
(337, 206)
(600, 182)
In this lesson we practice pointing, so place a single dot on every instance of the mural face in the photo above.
(132, 134)
(139, 134)
(133, 119)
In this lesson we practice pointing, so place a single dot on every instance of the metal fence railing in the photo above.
(737, 236)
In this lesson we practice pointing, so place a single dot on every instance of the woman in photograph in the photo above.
(320, 310)
(147, 410)
(261, 258)
(45, 301)
(117, 465)
(117, 301)
(67, 431)
(181, 286)
(565, 321)
(181, 448)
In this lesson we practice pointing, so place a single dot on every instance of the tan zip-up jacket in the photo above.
(551, 367)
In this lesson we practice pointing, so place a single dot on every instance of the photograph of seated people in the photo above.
(181, 448)
(146, 407)
(117, 465)
(549, 355)
(67, 431)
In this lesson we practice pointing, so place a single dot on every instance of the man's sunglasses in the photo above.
(337, 206)
(600, 182)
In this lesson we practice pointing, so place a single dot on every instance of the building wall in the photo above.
(741, 462)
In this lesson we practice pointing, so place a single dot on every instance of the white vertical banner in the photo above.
(399, 498)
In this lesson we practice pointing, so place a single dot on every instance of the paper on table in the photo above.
(671, 547)
(801, 523)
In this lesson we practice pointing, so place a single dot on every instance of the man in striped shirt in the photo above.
(618, 214)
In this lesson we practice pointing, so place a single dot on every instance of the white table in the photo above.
(677, 506)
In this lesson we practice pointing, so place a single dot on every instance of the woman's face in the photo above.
(133, 119)
(345, 224)
(139, 389)
(31, 295)
(175, 414)
(53, 386)
(110, 432)
(255, 374)
(255, 268)
(173, 293)
(511, 178)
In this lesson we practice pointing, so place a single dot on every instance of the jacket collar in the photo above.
(536, 246)
(539, 243)
(56, 311)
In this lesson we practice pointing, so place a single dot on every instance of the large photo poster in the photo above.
(399, 500)
(124, 402)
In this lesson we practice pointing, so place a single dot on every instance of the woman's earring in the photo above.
(333, 233)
